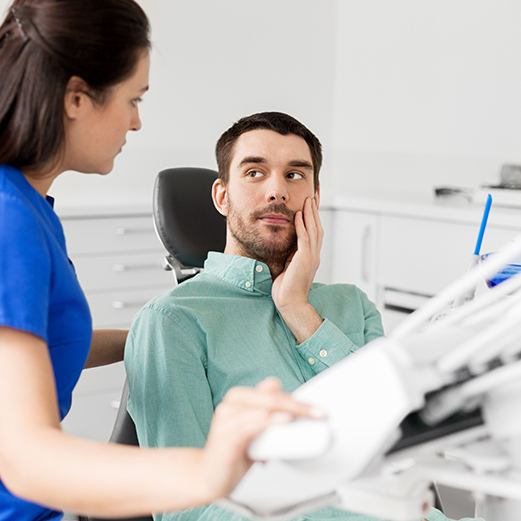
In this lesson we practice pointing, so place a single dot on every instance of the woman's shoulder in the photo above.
(22, 233)
(17, 215)
(12, 197)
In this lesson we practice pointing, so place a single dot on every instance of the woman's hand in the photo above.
(240, 417)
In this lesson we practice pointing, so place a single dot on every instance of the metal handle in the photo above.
(121, 304)
(119, 268)
(122, 230)
(365, 253)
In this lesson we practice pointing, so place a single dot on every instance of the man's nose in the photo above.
(277, 192)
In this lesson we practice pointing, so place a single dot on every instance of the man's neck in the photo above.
(275, 267)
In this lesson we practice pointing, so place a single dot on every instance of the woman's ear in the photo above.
(76, 97)
(219, 197)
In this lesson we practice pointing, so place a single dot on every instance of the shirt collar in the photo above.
(248, 274)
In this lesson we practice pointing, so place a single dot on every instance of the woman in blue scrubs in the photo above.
(72, 73)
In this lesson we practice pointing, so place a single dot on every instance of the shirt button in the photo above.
(258, 268)
(323, 353)
(247, 284)
(311, 361)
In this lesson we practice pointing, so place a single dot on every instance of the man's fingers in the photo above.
(318, 222)
(313, 226)
(310, 220)
(302, 234)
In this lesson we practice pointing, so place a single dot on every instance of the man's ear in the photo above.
(219, 197)
(76, 97)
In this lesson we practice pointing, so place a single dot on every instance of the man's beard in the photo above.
(276, 248)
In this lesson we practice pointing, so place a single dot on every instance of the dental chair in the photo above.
(188, 226)
(186, 220)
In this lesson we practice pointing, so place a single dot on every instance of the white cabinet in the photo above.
(355, 250)
(402, 253)
(422, 256)
(118, 259)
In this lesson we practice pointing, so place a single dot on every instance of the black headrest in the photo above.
(186, 220)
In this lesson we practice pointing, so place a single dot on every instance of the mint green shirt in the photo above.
(220, 329)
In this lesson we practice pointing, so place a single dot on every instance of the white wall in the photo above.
(403, 94)
(426, 92)
(212, 63)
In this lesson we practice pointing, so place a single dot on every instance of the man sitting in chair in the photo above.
(254, 311)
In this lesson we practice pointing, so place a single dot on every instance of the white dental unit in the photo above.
(439, 400)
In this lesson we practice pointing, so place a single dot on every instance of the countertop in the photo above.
(451, 209)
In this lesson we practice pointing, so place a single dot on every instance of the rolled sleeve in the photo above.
(350, 320)
(327, 346)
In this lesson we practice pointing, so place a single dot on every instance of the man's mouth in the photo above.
(275, 218)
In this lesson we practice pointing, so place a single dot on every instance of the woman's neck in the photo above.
(41, 180)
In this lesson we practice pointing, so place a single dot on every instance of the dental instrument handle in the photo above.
(482, 227)
(469, 295)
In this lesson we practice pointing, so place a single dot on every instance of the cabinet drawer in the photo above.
(107, 378)
(122, 271)
(423, 256)
(117, 309)
(108, 235)
(93, 416)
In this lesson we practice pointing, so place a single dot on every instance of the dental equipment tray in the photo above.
(415, 431)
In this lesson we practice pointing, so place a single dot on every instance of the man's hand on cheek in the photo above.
(290, 289)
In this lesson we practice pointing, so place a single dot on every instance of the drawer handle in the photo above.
(130, 231)
(121, 304)
(365, 253)
(119, 268)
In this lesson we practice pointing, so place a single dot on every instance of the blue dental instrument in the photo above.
(484, 220)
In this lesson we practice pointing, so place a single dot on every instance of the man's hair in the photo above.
(276, 121)
(43, 43)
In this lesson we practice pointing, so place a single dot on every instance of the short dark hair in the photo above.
(278, 122)
(43, 43)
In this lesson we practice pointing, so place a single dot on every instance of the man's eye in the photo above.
(254, 173)
(295, 175)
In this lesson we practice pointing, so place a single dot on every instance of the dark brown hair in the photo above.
(43, 43)
(276, 121)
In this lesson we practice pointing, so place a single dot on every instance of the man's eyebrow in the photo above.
(252, 159)
(301, 163)
(297, 163)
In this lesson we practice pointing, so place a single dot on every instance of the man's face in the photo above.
(270, 177)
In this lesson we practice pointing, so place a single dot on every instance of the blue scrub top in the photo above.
(39, 294)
